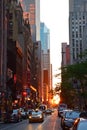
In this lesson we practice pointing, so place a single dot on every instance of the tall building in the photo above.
(77, 28)
(46, 66)
(3, 45)
(46, 76)
(37, 68)
(45, 37)
(65, 54)
(32, 7)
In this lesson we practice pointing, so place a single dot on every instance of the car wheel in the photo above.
(42, 120)
(30, 121)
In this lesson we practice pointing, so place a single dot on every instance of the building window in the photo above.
(83, 17)
(77, 49)
(80, 43)
(73, 42)
(76, 34)
(83, 22)
(73, 34)
(77, 55)
(73, 54)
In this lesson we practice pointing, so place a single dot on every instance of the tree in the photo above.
(74, 81)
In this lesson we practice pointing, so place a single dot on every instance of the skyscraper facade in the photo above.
(3, 45)
(32, 7)
(44, 37)
(77, 28)
(65, 54)
(46, 66)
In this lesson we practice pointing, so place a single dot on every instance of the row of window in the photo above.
(80, 15)
(78, 52)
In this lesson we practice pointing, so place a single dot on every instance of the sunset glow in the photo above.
(56, 99)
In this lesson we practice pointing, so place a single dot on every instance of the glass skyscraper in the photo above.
(45, 37)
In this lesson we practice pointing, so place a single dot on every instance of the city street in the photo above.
(51, 122)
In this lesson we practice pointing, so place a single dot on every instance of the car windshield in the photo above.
(34, 112)
(15, 111)
(72, 115)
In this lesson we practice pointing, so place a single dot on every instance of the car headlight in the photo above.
(30, 117)
(40, 116)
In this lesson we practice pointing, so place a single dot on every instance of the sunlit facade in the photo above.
(46, 65)
(32, 9)
(65, 54)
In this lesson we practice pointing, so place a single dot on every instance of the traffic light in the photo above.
(24, 93)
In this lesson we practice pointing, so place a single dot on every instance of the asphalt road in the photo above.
(51, 122)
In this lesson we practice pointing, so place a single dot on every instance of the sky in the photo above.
(55, 14)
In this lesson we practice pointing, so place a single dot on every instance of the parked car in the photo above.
(68, 119)
(61, 107)
(80, 124)
(29, 111)
(16, 115)
(36, 116)
(24, 114)
(48, 111)
(64, 112)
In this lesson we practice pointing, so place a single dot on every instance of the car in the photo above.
(61, 107)
(43, 107)
(80, 124)
(16, 115)
(64, 112)
(36, 116)
(83, 114)
(48, 111)
(24, 114)
(29, 111)
(63, 116)
(68, 119)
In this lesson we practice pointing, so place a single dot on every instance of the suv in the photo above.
(69, 118)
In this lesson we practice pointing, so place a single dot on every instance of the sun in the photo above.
(56, 99)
